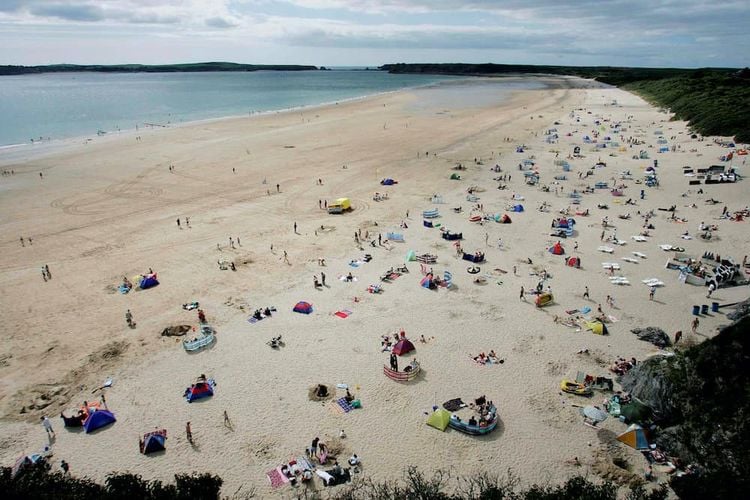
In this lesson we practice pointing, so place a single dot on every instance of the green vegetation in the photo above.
(714, 101)
(141, 68)
(37, 482)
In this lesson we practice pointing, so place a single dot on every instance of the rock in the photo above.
(649, 382)
(741, 310)
(41, 403)
(656, 336)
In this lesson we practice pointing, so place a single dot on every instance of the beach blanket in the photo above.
(355, 263)
(345, 406)
(343, 314)
(252, 319)
(276, 478)
(124, 289)
(585, 310)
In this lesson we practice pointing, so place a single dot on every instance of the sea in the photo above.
(50, 107)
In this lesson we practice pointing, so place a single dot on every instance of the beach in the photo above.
(108, 209)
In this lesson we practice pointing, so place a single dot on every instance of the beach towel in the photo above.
(252, 319)
(344, 405)
(276, 478)
(124, 289)
(343, 314)
(585, 310)
(355, 263)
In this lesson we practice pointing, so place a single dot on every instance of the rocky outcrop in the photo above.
(650, 383)
(656, 336)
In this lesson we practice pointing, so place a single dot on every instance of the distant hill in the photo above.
(715, 101)
(143, 68)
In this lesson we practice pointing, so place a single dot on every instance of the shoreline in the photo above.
(16, 153)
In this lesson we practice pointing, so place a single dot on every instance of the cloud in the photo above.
(219, 22)
(69, 12)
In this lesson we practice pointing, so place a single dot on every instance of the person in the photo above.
(129, 318)
(65, 467)
(349, 276)
(522, 296)
(201, 316)
(349, 398)
(677, 336)
(314, 447)
(306, 475)
(278, 188)
(696, 323)
(342, 434)
(472, 420)
(394, 362)
(316, 284)
(44, 274)
(711, 289)
(22, 243)
(337, 469)
(189, 433)
(323, 278)
(651, 293)
(48, 427)
(232, 266)
(354, 460)
(178, 223)
(295, 228)
(227, 422)
(46, 270)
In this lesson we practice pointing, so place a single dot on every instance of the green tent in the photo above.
(439, 419)
(455, 177)
(411, 256)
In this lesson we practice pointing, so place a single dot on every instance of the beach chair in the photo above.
(639, 254)
(639, 238)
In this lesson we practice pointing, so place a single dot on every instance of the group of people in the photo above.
(621, 365)
(490, 358)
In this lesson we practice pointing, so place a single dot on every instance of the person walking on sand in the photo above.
(286, 257)
(278, 188)
(227, 422)
(48, 427)
(189, 433)
(323, 278)
(129, 318)
(295, 228)
(651, 293)
(586, 292)
(696, 323)
(522, 296)
(178, 223)
(711, 289)
(22, 243)
(677, 336)
(44, 274)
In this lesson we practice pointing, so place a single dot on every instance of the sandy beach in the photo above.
(109, 208)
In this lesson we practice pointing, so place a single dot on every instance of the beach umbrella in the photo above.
(594, 413)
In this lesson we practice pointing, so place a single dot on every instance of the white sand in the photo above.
(108, 209)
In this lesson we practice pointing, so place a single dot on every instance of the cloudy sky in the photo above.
(676, 33)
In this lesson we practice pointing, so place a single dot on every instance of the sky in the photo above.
(650, 33)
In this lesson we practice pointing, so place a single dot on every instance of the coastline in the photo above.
(109, 209)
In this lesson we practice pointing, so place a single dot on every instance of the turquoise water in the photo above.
(65, 105)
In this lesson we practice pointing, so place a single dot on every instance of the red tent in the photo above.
(402, 347)
(557, 249)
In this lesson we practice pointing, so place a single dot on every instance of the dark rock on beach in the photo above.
(656, 336)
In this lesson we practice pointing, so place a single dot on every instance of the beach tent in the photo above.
(597, 327)
(635, 437)
(544, 299)
(148, 281)
(388, 182)
(411, 256)
(98, 419)
(635, 411)
(573, 261)
(426, 282)
(303, 307)
(154, 441)
(518, 208)
(439, 419)
(198, 391)
(455, 177)
(557, 249)
(402, 347)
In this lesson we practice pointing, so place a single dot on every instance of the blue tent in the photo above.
(199, 390)
(388, 182)
(518, 208)
(154, 441)
(303, 307)
(148, 282)
(98, 419)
